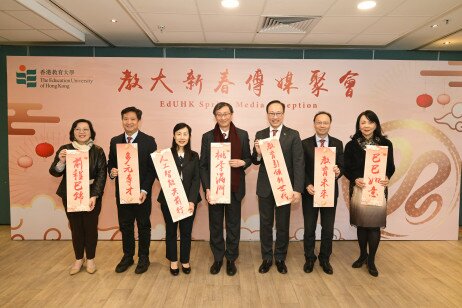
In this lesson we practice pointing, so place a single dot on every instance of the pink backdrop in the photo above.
(419, 104)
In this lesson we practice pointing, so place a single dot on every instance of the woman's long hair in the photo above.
(187, 147)
(371, 116)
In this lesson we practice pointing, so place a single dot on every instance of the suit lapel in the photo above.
(283, 137)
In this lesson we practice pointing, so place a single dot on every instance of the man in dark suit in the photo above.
(322, 121)
(128, 213)
(293, 156)
(225, 131)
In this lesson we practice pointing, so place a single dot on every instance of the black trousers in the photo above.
(171, 228)
(268, 211)
(127, 214)
(310, 218)
(231, 213)
(84, 229)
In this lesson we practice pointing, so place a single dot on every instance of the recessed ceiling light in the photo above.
(434, 26)
(230, 4)
(114, 20)
(366, 5)
(446, 43)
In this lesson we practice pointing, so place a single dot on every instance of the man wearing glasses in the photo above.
(225, 131)
(322, 121)
(293, 156)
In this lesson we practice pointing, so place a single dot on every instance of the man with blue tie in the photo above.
(322, 121)
(129, 213)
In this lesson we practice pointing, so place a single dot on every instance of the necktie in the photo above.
(322, 142)
(180, 159)
(275, 131)
(129, 139)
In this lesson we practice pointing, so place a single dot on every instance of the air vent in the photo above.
(288, 24)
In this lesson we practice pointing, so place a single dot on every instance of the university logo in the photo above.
(26, 77)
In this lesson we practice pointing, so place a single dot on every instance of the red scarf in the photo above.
(236, 151)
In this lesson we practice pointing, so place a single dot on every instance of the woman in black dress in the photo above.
(187, 162)
(84, 225)
(368, 219)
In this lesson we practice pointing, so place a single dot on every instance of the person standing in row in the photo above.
(129, 213)
(225, 131)
(368, 219)
(84, 225)
(293, 156)
(187, 163)
(322, 121)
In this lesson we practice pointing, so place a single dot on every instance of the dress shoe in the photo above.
(281, 266)
(124, 264)
(326, 267)
(361, 260)
(308, 267)
(76, 267)
(91, 266)
(175, 271)
(216, 267)
(186, 270)
(265, 266)
(231, 268)
(143, 264)
(372, 269)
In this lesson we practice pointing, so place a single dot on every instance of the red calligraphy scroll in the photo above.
(375, 168)
(324, 177)
(77, 181)
(277, 170)
(129, 173)
(220, 172)
(171, 184)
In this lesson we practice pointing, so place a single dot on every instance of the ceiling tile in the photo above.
(349, 8)
(246, 7)
(396, 25)
(164, 7)
(343, 24)
(181, 37)
(224, 23)
(32, 19)
(229, 38)
(373, 39)
(171, 22)
(297, 7)
(8, 22)
(274, 38)
(60, 35)
(424, 7)
(25, 36)
(327, 39)
(6, 5)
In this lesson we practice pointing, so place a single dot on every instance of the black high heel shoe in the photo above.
(372, 269)
(175, 271)
(186, 270)
(359, 263)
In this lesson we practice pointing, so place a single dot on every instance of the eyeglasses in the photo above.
(85, 130)
(275, 114)
(322, 123)
(223, 115)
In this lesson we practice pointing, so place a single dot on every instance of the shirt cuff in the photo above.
(142, 190)
(60, 166)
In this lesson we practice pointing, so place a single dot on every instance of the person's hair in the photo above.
(323, 112)
(371, 116)
(221, 105)
(276, 102)
(137, 111)
(74, 125)
(187, 147)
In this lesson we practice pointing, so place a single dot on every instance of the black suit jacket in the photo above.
(97, 165)
(207, 139)
(309, 144)
(146, 146)
(190, 177)
(291, 146)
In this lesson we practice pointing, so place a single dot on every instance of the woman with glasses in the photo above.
(84, 225)
(367, 218)
(187, 162)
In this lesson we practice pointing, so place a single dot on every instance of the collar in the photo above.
(133, 136)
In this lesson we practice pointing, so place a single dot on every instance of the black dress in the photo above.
(354, 158)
